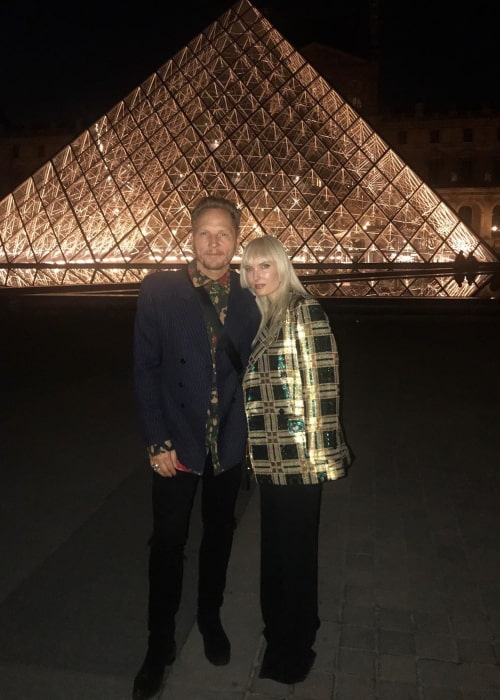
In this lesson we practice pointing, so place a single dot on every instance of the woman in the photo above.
(296, 444)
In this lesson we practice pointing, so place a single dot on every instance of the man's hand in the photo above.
(164, 463)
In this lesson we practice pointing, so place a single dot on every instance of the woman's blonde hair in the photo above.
(271, 249)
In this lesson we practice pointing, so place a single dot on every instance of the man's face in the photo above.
(214, 242)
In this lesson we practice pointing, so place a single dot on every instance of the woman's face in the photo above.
(262, 277)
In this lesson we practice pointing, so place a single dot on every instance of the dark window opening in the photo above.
(435, 168)
(495, 218)
(495, 176)
(466, 171)
(465, 213)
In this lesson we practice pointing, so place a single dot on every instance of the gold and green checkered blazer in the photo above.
(292, 401)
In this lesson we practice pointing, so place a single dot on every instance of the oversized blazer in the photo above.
(173, 368)
(292, 400)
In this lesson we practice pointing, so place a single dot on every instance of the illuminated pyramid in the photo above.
(240, 113)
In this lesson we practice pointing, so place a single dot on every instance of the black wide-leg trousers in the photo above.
(173, 500)
(289, 568)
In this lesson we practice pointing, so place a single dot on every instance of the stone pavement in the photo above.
(409, 541)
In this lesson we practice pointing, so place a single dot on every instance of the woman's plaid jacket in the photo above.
(292, 400)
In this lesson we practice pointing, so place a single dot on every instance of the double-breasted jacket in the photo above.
(173, 368)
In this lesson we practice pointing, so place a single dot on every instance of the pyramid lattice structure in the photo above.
(239, 113)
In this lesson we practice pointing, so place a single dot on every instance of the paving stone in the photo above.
(442, 694)
(476, 651)
(480, 695)
(397, 691)
(392, 595)
(471, 626)
(358, 637)
(359, 595)
(395, 619)
(347, 687)
(438, 621)
(359, 543)
(401, 669)
(470, 676)
(434, 645)
(359, 615)
(396, 642)
(357, 662)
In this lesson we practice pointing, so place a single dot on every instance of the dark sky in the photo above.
(74, 60)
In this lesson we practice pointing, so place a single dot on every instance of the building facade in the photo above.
(456, 154)
(23, 150)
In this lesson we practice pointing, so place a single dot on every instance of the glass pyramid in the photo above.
(238, 112)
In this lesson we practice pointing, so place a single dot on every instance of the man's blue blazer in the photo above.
(173, 368)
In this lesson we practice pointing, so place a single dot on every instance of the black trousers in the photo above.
(289, 567)
(173, 500)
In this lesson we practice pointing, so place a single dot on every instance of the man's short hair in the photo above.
(217, 203)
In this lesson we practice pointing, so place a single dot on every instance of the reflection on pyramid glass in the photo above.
(236, 113)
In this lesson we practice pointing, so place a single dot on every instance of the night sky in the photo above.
(76, 60)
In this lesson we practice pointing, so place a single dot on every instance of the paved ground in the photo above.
(410, 540)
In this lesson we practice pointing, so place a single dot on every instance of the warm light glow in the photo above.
(289, 151)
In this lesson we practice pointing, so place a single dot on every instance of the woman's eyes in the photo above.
(261, 266)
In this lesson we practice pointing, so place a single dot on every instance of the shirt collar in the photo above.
(200, 280)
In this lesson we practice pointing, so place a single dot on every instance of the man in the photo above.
(191, 408)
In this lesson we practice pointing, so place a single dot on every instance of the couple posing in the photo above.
(197, 415)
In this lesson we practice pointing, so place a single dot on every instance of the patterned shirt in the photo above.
(218, 291)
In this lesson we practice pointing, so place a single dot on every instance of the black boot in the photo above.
(150, 676)
(215, 641)
(286, 666)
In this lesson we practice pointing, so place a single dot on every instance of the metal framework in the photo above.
(240, 113)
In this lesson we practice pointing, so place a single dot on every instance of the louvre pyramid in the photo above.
(238, 112)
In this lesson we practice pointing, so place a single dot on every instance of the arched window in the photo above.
(495, 218)
(495, 227)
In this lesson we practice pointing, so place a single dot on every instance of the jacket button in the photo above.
(183, 361)
(180, 384)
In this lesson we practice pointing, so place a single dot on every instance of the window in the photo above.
(16, 150)
(468, 135)
(435, 136)
(495, 218)
(466, 171)
(465, 213)
(402, 137)
(495, 179)
(495, 227)
(41, 151)
(435, 169)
